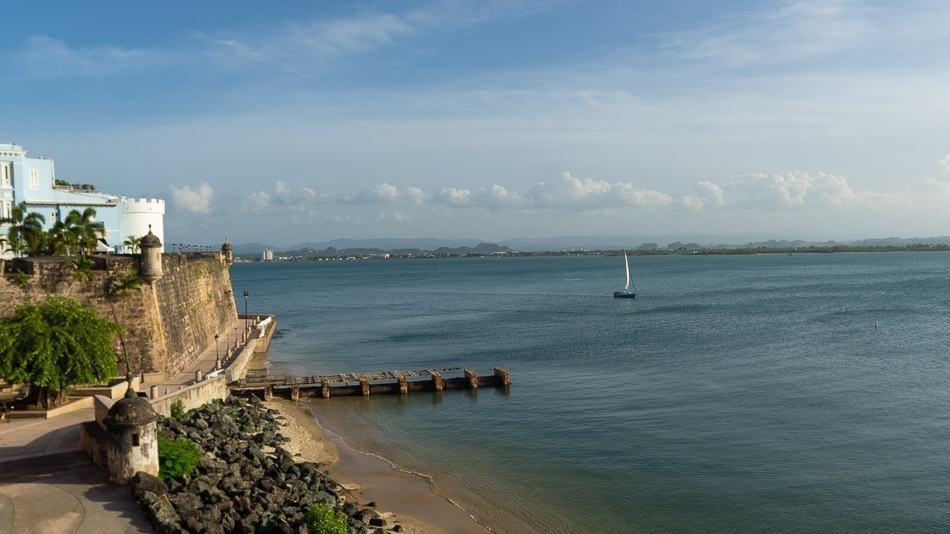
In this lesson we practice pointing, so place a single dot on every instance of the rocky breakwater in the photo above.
(244, 482)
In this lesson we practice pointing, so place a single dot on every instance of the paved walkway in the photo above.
(62, 494)
(205, 361)
(23, 438)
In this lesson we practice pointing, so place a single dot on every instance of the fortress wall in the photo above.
(165, 326)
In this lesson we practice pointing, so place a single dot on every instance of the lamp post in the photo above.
(217, 357)
(245, 311)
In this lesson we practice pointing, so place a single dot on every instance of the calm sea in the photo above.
(746, 393)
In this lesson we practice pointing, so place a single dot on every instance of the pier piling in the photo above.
(472, 377)
(263, 383)
(403, 385)
(437, 381)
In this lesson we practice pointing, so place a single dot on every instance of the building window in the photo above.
(34, 179)
(5, 174)
(6, 209)
(135, 440)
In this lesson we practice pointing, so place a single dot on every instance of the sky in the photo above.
(287, 122)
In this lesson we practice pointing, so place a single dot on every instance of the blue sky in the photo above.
(294, 121)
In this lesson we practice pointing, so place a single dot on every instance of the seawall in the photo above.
(165, 325)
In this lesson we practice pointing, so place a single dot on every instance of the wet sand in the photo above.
(370, 478)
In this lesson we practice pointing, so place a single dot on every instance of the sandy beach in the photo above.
(406, 497)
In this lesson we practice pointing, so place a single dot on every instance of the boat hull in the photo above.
(624, 295)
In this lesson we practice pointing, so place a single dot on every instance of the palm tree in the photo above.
(132, 244)
(26, 230)
(81, 231)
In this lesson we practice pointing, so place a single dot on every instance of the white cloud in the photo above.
(570, 192)
(197, 200)
(944, 163)
(385, 192)
(788, 32)
(415, 195)
(455, 197)
(286, 198)
(786, 191)
(47, 57)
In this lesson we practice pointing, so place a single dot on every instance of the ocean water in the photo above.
(741, 393)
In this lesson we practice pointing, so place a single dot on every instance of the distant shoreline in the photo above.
(692, 251)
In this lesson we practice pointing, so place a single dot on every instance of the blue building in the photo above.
(33, 180)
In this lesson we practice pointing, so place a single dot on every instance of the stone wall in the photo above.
(165, 325)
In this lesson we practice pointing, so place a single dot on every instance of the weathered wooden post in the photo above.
(472, 377)
(268, 392)
(364, 387)
(198, 375)
(437, 381)
(403, 385)
(503, 375)
(153, 392)
(295, 393)
(325, 388)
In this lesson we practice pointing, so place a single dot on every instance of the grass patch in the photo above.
(323, 519)
(176, 457)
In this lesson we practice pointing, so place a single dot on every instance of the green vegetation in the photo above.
(176, 457)
(77, 233)
(178, 409)
(23, 280)
(323, 519)
(53, 346)
(132, 244)
(82, 187)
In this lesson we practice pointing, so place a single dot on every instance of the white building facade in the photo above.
(32, 180)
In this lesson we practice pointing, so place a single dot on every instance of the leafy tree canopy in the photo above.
(56, 345)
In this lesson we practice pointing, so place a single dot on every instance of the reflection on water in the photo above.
(735, 393)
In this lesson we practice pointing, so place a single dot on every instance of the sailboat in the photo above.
(626, 293)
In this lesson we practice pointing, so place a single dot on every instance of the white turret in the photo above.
(139, 215)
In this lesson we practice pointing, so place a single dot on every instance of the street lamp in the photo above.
(217, 358)
(245, 311)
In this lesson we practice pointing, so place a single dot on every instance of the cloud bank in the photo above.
(194, 200)
(789, 191)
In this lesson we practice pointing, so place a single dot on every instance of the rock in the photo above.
(143, 481)
(377, 521)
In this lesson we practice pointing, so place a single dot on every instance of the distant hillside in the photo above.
(567, 243)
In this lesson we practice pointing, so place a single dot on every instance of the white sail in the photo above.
(626, 265)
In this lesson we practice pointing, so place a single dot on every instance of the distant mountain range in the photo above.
(565, 243)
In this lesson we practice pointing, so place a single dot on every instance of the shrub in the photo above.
(53, 346)
(176, 457)
(177, 409)
(323, 519)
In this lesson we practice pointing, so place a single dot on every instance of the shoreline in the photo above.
(410, 498)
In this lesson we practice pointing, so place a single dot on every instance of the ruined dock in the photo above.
(263, 384)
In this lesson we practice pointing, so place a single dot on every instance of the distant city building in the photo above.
(33, 181)
(267, 255)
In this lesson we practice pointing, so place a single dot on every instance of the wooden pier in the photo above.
(261, 383)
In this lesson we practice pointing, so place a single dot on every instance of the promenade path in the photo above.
(49, 486)
(64, 493)
(205, 361)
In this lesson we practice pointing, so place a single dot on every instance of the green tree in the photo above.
(132, 244)
(26, 230)
(53, 346)
(83, 230)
